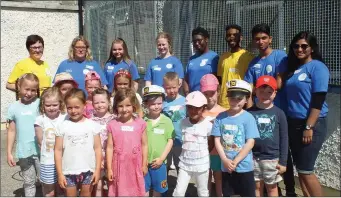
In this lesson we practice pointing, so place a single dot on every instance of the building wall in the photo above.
(56, 22)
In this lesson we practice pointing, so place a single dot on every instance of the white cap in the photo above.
(153, 90)
(237, 87)
(196, 99)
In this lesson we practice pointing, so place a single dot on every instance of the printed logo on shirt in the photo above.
(268, 68)
(230, 127)
(175, 108)
(159, 131)
(302, 76)
(297, 71)
(110, 67)
(169, 66)
(127, 128)
(50, 139)
(233, 70)
(85, 71)
(89, 67)
(203, 62)
(27, 113)
(156, 68)
(266, 125)
(68, 70)
(78, 139)
(257, 66)
(164, 184)
(232, 137)
(257, 71)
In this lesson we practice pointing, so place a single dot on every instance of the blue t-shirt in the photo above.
(274, 63)
(158, 67)
(198, 66)
(24, 117)
(112, 67)
(78, 70)
(176, 111)
(234, 132)
(309, 78)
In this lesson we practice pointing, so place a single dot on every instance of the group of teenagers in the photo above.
(242, 119)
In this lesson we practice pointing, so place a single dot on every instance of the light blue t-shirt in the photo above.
(198, 66)
(111, 68)
(176, 111)
(24, 117)
(274, 63)
(234, 132)
(309, 78)
(158, 67)
(78, 70)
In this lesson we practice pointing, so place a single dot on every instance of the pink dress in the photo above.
(127, 158)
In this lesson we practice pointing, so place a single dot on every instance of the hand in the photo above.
(229, 165)
(95, 177)
(281, 169)
(62, 181)
(156, 163)
(110, 175)
(10, 160)
(145, 170)
(307, 136)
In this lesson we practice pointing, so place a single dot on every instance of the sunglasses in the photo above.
(303, 46)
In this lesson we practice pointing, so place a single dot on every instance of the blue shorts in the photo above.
(48, 173)
(156, 179)
(83, 179)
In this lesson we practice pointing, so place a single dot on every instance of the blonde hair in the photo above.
(167, 36)
(122, 73)
(171, 76)
(126, 56)
(86, 43)
(51, 92)
(121, 95)
(75, 93)
(19, 81)
(101, 91)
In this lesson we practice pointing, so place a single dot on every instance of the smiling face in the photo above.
(28, 90)
(80, 50)
(154, 106)
(51, 106)
(265, 94)
(122, 83)
(212, 97)
(302, 49)
(100, 103)
(163, 46)
(233, 38)
(75, 108)
(36, 51)
(262, 41)
(194, 113)
(125, 109)
(118, 51)
(199, 43)
(237, 103)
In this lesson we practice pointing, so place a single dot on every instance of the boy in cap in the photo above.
(271, 149)
(92, 82)
(209, 87)
(195, 157)
(65, 82)
(160, 134)
(234, 131)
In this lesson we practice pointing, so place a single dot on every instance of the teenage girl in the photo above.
(77, 148)
(51, 109)
(119, 59)
(21, 116)
(102, 115)
(127, 147)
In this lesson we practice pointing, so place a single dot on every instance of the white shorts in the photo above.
(266, 171)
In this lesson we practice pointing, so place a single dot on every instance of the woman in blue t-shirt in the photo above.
(119, 59)
(165, 62)
(306, 82)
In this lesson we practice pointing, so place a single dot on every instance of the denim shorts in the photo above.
(305, 155)
(83, 179)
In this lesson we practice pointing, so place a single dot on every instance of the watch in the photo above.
(308, 127)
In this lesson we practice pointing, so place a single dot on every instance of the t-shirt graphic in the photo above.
(232, 137)
(266, 125)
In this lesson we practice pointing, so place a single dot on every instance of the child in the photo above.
(77, 148)
(160, 132)
(271, 149)
(51, 109)
(209, 86)
(194, 158)
(21, 116)
(127, 148)
(65, 82)
(234, 131)
(175, 108)
(102, 115)
(92, 82)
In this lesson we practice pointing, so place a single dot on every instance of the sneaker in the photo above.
(172, 167)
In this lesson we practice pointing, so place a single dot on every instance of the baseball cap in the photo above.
(153, 90)
(63, 77)
(238, 88)
(92, 75)
(208, 83)
(266, 80)
(196, 99)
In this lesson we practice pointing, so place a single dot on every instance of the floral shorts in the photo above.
(83, 179)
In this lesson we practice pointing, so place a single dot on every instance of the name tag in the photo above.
(127, 128)
(110, 67)
(232, 70)
(157, 68)
(264, 120)
(26, 113)
(159, 131)
(89, 66)
(175, 108)
(231, 127)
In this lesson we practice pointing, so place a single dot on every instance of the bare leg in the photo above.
(259, 188)
(99, 189)
(48, 190)
(156, 194)
(272, 190)
(146, 194)
(86, 190)
(71, 191)
(312, 184)
(303, 187)
(218, 179)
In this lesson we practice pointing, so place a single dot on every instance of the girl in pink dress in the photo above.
(126, 147)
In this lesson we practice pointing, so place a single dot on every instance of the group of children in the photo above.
(81, 142)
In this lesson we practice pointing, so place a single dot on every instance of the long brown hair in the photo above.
(51, 92)
(19, 81)
(121, 95)
(126, 56)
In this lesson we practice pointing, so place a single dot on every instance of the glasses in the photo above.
(80, 47)
(303, 46)
(36, 48)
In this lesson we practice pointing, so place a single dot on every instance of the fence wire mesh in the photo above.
(138, 22)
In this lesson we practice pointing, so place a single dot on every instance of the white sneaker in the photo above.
(172, 167)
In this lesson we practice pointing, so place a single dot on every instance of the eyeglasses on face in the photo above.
(80, 47)
(36, 48)
(303, 46)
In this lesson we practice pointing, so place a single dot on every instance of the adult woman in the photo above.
(306, 82)
(164, 63)
(80, 62)
(204, 61)
(32, 64)
(119, 59)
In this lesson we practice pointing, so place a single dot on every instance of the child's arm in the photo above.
(39, 134)
(228, 163)
(98, 155)
(109, 155)
(283, 144)
(144, 153)
(244, 151)
(58, 150)
(157, 162)
(11, 133)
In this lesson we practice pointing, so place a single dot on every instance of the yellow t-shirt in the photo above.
(28, 65)
(232, 66)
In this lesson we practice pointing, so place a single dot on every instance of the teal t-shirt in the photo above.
(24, 117)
